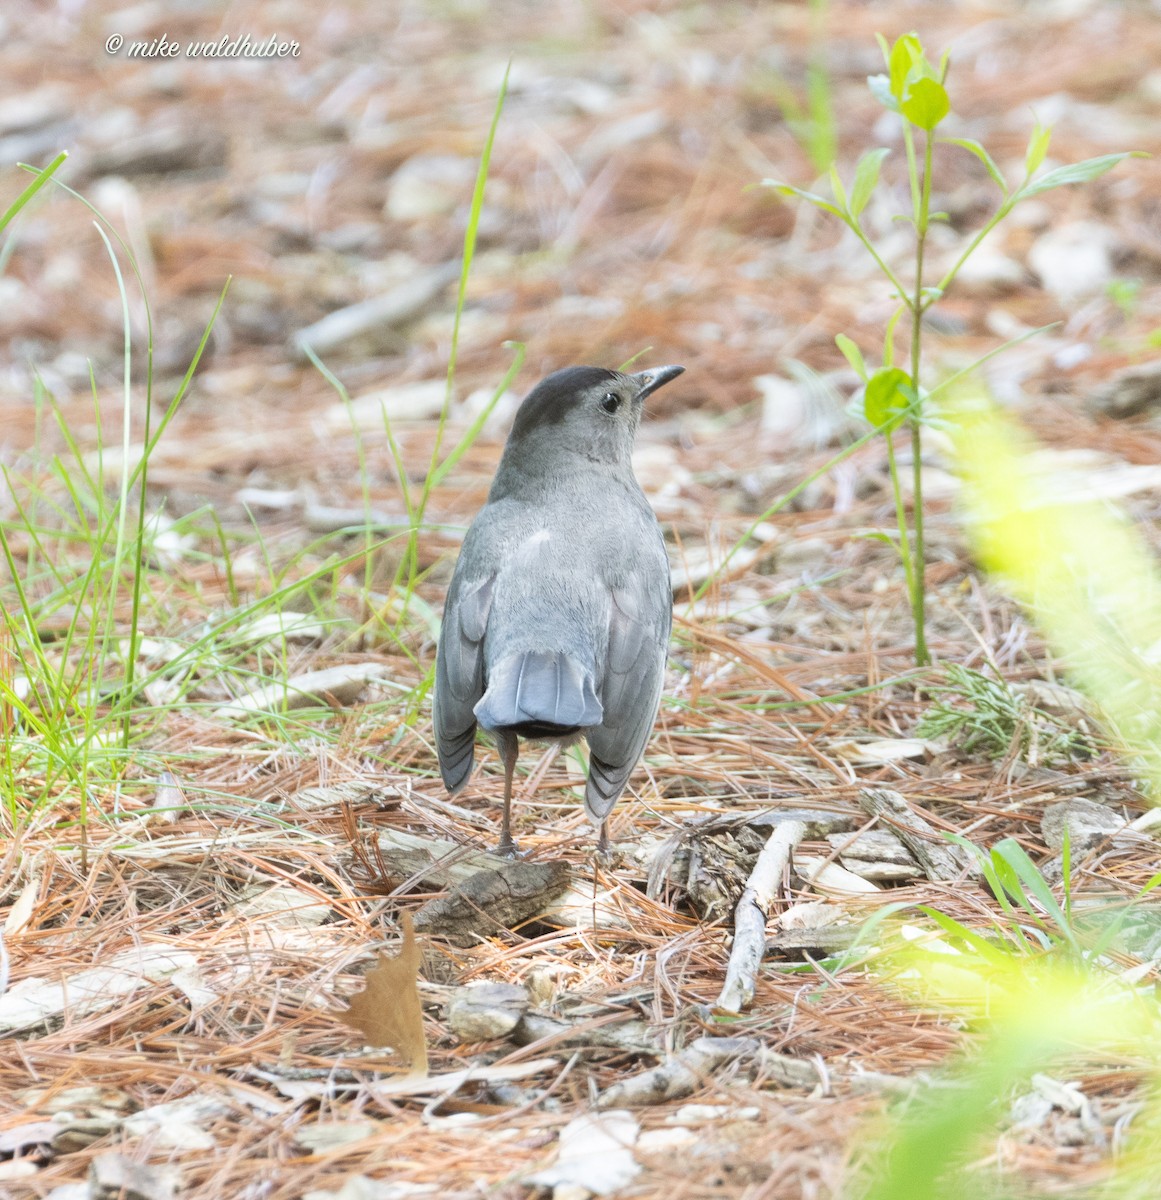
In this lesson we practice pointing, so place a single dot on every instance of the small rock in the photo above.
(163, 151)
(657, 1141)
(419, 401)
(804, 556)
(17, 1168)
(1056, 698)
(595, 1152)
(92, 1099)
(430, 185)
(703, 1114)
(363, 1187)
(32, 110)
(658, 470)
(990, 272)
(118, 1177)
(806, 411)
(377, 321)
(611, 136)
(1031, 1111)
(483, 1011)
(500, 418)
(811, 914)
(76, 1133)
(1087, 822)
(281, 905)
(70, 1191)
(323, 1136)
(876, 751)
(1073, 261)
(19, 1138)
(1134, 390)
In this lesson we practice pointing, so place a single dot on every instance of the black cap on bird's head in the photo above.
(592, 406)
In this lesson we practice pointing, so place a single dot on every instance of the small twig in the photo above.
(750, 916)
(685, 1072)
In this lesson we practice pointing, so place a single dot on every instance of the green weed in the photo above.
(982, 713)
(895, 396)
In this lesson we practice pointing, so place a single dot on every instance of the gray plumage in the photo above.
(558, 614)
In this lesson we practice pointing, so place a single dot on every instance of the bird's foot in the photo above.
(507, 848)
(606, 852)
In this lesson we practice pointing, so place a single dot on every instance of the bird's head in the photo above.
(590, 411)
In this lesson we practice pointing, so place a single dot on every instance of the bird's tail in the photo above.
(540, 693)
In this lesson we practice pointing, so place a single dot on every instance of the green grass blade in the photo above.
(43, 175)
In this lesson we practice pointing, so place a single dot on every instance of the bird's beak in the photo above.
(649, 381)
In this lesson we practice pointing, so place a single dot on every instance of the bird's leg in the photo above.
(604, 846)
(508, 747)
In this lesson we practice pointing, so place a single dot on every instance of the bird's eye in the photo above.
(610, 402)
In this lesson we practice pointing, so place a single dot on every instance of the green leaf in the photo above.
(974, 147)
(1080, 172)
(925, 103)
(885, 394)
(880, 86)
(786, 189)
(907, 51)
(836, 186)
(878, 535)
(992, 954)
(852, 354)
(866, 177)
(1017, 857)
(42, 177)
(885, 47)
(889, 336)
(1037, 148)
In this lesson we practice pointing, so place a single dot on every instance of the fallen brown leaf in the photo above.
(387, 1011)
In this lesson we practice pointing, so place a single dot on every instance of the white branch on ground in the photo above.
(750, 916)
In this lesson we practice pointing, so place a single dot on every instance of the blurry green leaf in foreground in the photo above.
(1037, 1014)
(1091, 585)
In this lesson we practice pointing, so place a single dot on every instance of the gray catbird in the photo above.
(558, 614)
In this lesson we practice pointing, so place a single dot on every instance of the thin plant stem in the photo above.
(917, 579)
(900, 515)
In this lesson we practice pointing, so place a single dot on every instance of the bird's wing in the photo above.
(459, 676)
(639, 624)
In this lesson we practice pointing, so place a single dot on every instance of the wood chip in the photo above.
(878, 855)
(825, 940)
(940, 860)
(341, 685)
(490, 902)
(118, 1177)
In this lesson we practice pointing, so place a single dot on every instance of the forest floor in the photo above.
(185, 918)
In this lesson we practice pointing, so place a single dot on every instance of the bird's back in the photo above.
(549, 559)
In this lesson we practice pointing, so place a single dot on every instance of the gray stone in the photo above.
(1087, 822)
(484, 1011)
(1134, 390)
